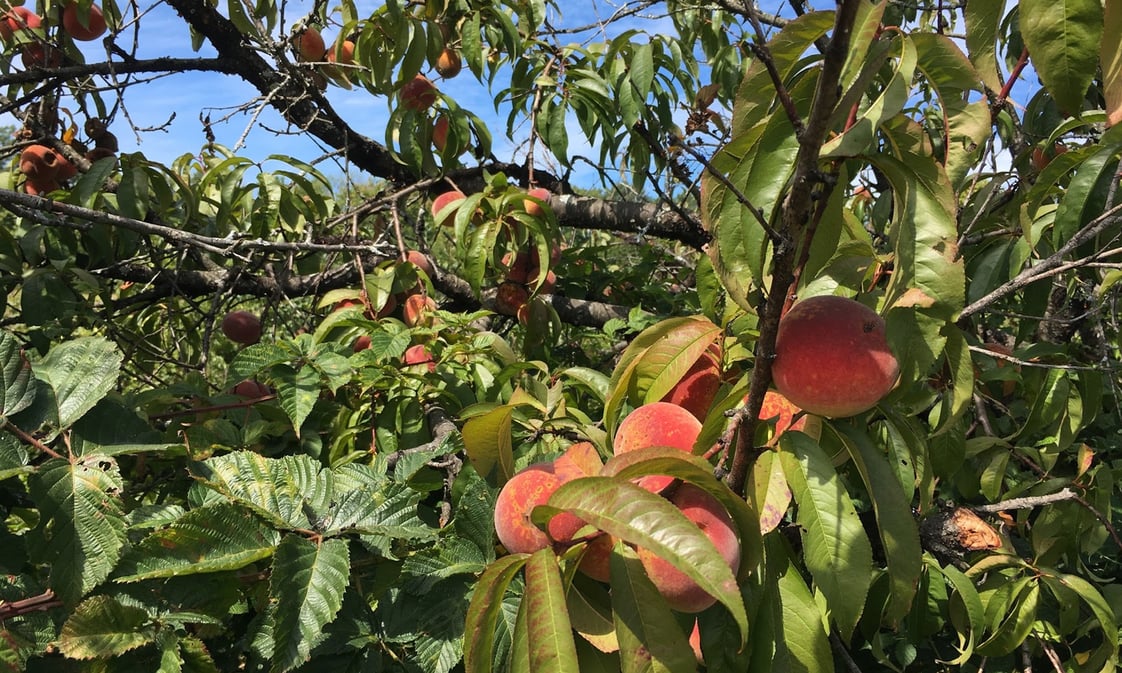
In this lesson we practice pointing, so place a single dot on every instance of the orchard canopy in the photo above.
(439, 336)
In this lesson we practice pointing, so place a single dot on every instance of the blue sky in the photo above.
(192, 95)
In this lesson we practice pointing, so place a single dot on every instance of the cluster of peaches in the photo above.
(22, 27)
(832, 359)
(523, 268)
(45, 168)
(244, 327)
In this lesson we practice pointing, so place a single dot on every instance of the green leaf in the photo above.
(306, 587)
(768, 491)
(550, 633)
(80, 372)
(895, 523)
(804, 636)
(650, 638)
(971, 604)
(1063, 37)
(484, 610)
(489, 446)
(275, 488)
(16, 386)
(663, 365)
(1110, 59)
(81, 529)
(1017, 624)
(213, 538)
(298, 391)
(982, 21)
(836, 550)
(646, 520)
(102, 628)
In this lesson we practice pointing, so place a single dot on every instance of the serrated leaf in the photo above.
(488, 443)
(897, 527)
(390, 510)
(80, 372)
(1063, 37)
(550, 633)
(16, 386)
(82, 529)
(102, 628)
(307, 585)
(298, 391)
(484, 610)
(277, 489)
(836, 550)
(650, 638)
(646, 520)
(213, 538)
(252, 360)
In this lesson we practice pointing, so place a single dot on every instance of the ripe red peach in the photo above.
(72, 23)
(361, 343)
(533, 208)
(251, 390)
(17, 19)
(310, 45)
(342, 53)
(418, 309)
(657, 424)
(510, 297)
(419, 355)
(442, 203)
(681, 592)
(548, 285)
(419, 260)
(698, 387)
(579, 460)
(832, 357)
(242, 327)
(524, 491)
(39, 55)
(440, 133)
(418, 94)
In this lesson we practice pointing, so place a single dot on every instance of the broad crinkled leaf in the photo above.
(80, 372)
(290, 492)
(836, 550)
(81, 531)
(306, 587)
(16, 389)
(213, 538)
(102, 628)
(298, 391)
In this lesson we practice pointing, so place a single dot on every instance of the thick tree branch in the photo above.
(649, 219)
(795, 216)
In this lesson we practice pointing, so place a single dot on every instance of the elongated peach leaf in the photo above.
(552, 649)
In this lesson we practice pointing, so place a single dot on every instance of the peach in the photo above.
(657, 424)
(93, 28)
(17, 19)
(596, 562)
(681, 592)
(698, 387)
(524, 491)
(442, 203)
(449, 63)
(533, 208)
(440, 133)
(419, 260)
(361, 343)
(579, 460)
(342, 53)
(548, 285)
(418, 309)
(418, 94)
(520, 265)
(38, 55)
(242, 327)
(40, 163)
(251, 390)
(388, 307)
(310, 45)
(419, 355)
(832, 357)
(510, 297)
(780, 408)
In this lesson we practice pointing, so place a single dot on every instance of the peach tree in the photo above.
(486, 384)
